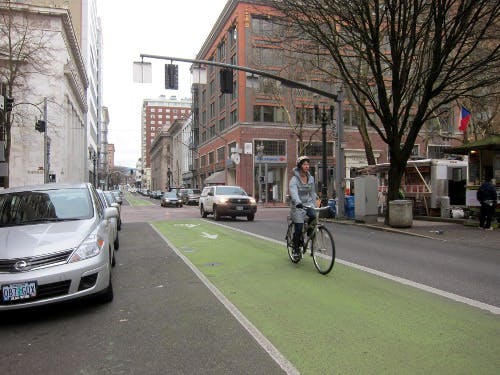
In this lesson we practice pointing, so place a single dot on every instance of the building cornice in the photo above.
(69, 31)
(221, 22)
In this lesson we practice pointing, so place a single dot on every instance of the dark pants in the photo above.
(297, 233)
(485, 215)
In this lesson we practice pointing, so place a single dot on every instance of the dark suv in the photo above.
(224, 200)
(190, 196)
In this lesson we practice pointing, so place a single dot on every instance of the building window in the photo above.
(304, 115)
(272, 147)
(220, 154)
(203, 160)
(222, 124)
(265, 113)
(211, 157)
(221, 51)
(435, 151)
(234, 117)
(211, 111)
(316, 149)
(233, 36)
(262, 25)
(222, 101)
(234, 94)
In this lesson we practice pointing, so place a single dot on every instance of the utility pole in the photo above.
(45, 144)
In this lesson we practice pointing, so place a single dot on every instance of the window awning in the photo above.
(216, 178)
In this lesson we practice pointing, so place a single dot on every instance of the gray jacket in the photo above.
(301, 193)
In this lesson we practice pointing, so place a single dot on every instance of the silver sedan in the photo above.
(55, 245)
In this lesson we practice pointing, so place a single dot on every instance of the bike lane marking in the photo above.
(364, 320)
(273, 352)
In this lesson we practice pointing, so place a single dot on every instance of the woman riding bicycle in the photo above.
(302, 192)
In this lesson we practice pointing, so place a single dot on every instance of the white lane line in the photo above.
(275, 354)
(455, 297)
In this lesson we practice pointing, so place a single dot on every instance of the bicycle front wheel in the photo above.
(289, 243)
(323, 250)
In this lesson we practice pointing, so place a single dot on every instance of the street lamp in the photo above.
(324, 121)
(169, 179)
(260, 153)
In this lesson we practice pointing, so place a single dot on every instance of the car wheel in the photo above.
(113, 260)
(202, 212)
(216, 214)
(119, 224)
(117, 243)
(250, 217)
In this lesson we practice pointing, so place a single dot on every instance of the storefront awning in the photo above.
(216, 178)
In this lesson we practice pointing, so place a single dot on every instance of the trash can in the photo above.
(333, 207)
(400, 213)
(349, 206)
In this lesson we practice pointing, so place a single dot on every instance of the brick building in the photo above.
(236, 123)
(158, 114)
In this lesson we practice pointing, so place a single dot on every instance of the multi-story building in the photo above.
(229, 127)
(89, 33)
(158, 114)
(103, 168)
(63, 82)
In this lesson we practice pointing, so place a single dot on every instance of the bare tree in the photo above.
(25, 50)
(420, 55)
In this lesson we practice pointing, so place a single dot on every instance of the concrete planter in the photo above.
(400, 213)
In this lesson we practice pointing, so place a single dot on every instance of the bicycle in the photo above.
(320, 241)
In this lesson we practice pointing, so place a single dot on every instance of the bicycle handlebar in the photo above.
(315, 208)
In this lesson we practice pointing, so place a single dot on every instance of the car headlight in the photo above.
(223, 200)
(252, 200)
(89, 248)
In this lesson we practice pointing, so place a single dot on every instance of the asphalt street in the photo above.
(163, 320)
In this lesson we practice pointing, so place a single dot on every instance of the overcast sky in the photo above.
(175, 28)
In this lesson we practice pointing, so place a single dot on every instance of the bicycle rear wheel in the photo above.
(289, 243)
(323, 250)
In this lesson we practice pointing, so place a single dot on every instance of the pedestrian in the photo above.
(487, 196)
(302, 190)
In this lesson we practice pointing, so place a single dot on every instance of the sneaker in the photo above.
(490, 228)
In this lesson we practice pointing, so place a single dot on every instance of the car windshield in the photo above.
(170, 194)
(230, 190)
(28, 207)
(110, 198)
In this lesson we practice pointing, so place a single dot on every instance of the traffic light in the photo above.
(171, 77)
(226, 81)
(9, 103)
(40, 126)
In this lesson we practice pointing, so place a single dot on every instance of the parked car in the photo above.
(118, 196)
(110, 197)
(190, 196)
(56, 245)
(225, 200)
(114, 220)
(170, 198)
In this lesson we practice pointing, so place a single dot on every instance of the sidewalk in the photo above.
(439, 229)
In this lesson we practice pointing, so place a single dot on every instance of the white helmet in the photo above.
(302, 159)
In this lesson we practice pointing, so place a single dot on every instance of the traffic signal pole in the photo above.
(337, 97)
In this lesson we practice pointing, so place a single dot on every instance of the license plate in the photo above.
(14, 292)
(239, 208)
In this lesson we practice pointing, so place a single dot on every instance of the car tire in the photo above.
(119, 226)
(202, 212)
(250, 217)
(117, 243)
(216, 214)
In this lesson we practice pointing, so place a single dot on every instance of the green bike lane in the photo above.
(347, 322)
